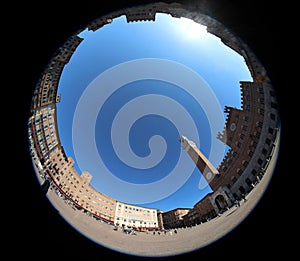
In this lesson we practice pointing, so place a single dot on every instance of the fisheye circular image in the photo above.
(154, 130)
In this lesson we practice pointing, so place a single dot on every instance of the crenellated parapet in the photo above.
(45, 92)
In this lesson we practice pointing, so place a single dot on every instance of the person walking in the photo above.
(237, 203)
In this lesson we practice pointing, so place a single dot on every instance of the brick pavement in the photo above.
(149, 245)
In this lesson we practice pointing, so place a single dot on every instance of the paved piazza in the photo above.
(186, 240)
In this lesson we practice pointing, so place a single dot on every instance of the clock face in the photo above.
(233, 126)
(208, 175)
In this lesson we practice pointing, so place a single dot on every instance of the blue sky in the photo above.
(128, 93)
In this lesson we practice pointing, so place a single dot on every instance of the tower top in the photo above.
(186, 143)
(203, 163)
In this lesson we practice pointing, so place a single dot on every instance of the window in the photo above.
(239, 171)
(264, 151)
(259, 161)
(272, 116)
(273, 105)
(233, 179)
(261, 112)
(245, 163)
(268, 141)
(244, 127)
(254, 172)
(259, 124)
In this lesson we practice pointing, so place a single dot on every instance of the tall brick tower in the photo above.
(204, 165)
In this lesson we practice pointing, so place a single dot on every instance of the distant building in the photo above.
(201, 212)
(174, 218)
(132, 216)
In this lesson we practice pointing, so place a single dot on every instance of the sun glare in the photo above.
(191, 29)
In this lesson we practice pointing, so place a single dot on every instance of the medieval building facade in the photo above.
(250, 133)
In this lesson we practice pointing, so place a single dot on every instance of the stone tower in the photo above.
(203, 164)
